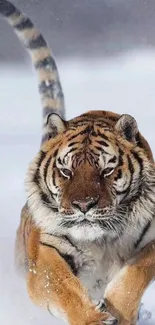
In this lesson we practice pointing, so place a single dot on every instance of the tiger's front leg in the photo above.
(123, 294)
(51, 284)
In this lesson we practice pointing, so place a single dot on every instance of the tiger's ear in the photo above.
(127, 127)
(53, 126)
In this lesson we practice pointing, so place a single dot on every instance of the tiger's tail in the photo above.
(50, 89)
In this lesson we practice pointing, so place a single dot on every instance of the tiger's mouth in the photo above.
(110, 222)
(93, 229)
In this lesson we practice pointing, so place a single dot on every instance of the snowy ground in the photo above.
(125, 85)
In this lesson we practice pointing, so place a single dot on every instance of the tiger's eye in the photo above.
(66, 173)
(107, 171)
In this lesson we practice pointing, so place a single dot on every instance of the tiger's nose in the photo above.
(85, 206)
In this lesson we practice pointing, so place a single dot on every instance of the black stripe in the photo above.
(71, 150)
(94, 159)
(139, 160)
(36, 43)
(50, 246)
(102, 125)
(36, 177)
(87, 130)
(52, 90)
(103, 143)
(7, 8)
(86, 141)
(112, 160)
(70, 261)
(93, 133)
(47, 89)
(119, 175)
(130, 165)
(46, 167)
(47, 62)
(75, 124)
(59, 161)
(45, 198)
(66, 238)
(73, 136)
(131, 169)
(139, 141)
(101, 149)
(72, 143)
(68, 258)
(113, 118)
(24, 24)
(54, 177)
(96, 155)
(120, 161)
(102, 135)
(55, 153)
(69, 240)
(143, 233)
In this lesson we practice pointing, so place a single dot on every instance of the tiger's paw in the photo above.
(111, 321)
(96, 315)
(101, 306)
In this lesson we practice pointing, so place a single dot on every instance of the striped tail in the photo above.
(50, 89)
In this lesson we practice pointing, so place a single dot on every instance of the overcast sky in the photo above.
(85, 28)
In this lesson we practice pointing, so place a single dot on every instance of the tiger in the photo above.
(86, 237)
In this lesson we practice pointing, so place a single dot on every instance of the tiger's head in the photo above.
(92, 178)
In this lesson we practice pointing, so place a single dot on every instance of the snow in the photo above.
(125, 84)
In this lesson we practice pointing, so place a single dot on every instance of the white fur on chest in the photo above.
(97, 280)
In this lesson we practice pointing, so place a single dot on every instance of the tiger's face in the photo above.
(85, 180)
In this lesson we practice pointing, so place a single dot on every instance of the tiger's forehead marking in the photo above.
(88, 143)
(88, 132)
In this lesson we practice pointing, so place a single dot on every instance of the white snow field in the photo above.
(125, 84)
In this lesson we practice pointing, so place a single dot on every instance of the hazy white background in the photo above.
(123, 85)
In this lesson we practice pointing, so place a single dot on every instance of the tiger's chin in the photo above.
(88, 232)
